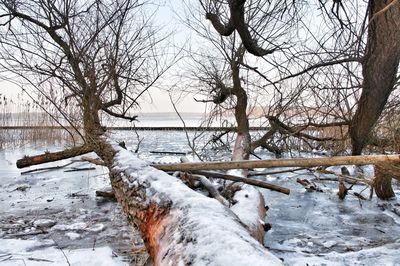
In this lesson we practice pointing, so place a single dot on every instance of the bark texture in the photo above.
(53, 156)
(380, 67)
(179, 225)
(384, 172)
(303, 162)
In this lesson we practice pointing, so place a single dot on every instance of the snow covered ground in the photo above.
(54, 217)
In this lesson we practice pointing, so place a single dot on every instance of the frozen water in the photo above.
(307, 227)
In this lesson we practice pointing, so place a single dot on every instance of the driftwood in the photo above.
(307, 162)
(53, 156)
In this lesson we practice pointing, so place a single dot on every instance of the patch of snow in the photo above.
(97, 228)
(72, 235)
(73, 227)
(245, 198)
(44, 223)
(17, 252)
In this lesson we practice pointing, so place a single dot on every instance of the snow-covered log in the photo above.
(179, 225)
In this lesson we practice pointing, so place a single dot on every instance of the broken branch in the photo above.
(303, 162)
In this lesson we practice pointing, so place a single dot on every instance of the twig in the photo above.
(249, 181)
(184, 126)
(168, 152)
(383, 10)
(37, 259)
(80, 169)
(276, 172)
(47, 168)
(346, 177)
(210, 188)
(34, 233)
(62, 251)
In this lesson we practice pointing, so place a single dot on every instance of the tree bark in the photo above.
(384, 172)
(303, 162)
(380, 67)
(179, 225)
(53, 156)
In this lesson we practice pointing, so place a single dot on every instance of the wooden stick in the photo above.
(169, 152)
(210, 188)
(276, 172)
(105, 194)
(250, 181)
(47, 168)
(75, 169)
(53, 156)
(306, 162)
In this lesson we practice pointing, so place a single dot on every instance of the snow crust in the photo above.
(202, 230)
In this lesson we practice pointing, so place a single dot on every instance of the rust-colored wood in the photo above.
(53, 156)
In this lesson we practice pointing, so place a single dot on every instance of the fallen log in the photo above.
(53, 156)
(179, 225)
(303, 162)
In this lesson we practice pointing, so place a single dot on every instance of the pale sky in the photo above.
(160, 100)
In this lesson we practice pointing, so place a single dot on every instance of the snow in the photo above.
(245, 198)
(15, 252)
(211, 233)
(342, 232)
(64, 205)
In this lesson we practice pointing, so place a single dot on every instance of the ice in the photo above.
(342, 232)
(15, 252)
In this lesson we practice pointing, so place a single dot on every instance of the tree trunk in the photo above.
(380, 66)
(180, 226)
(383, 179)
(91, 106)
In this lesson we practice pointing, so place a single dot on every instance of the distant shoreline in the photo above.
(141, 128)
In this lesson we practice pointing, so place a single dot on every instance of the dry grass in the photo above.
(31, 126)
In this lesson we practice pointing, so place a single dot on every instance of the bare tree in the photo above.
(341, 53)
(98, 55)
